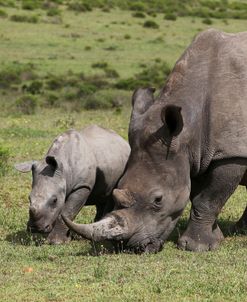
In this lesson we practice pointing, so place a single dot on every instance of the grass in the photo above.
(32, 271)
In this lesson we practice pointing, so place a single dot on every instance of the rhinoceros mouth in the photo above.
(34, 229)
(148, 245)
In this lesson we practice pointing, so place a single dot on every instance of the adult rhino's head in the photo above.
(48, 193)
(156, 185)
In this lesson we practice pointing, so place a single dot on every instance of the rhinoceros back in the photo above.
(111, 153)
(209, 81)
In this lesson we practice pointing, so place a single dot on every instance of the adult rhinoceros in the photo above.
(189, 143)
(80, 168)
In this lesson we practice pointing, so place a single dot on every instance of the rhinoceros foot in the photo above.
(241, 226)
(200, 240)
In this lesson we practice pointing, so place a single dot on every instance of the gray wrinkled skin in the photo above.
(188, 143)
(80, 168)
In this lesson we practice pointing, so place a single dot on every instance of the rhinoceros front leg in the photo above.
(76, 200)
(209, 194)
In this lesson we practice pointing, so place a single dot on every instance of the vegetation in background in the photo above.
(4, 160)
(76, 60)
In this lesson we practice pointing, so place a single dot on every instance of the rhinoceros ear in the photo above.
(172, 117)
(26, 166)
(142, 99)
(54, 163)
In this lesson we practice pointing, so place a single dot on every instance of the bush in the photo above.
(65, 123)
(30, 4)
(24, 18)
(15, 74)
(127, 37)
(207, 21)
(150, 24)
(138, 6)
(111, 73)
(4, 157)
(171, 17)
(34, 88)
(153, 75)
(139, 15)
(55, 82)
(53, 12)
(105, 99)
(52, 100)
(86, 89)
(3, 14)
(80, 6)
(101, 65)
(27, 104)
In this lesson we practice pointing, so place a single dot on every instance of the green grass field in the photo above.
(78, 271)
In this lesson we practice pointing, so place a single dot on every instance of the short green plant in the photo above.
(171, 17)
(80, 6)
(54, 11)
(4, 158)
(151, 24)
(139, 15)
(24, 18)
(16, 73)
(3, 14)
(27, 104)
(30, 4)
(207, 21)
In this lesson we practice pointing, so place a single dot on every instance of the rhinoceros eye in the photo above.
(53, 201)
(157, 203)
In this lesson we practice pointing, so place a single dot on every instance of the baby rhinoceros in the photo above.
(80, 168)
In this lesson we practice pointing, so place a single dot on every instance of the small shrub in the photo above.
(80, 6)
(111, 48)
(16, 73)
(96, 80)
(65, 123)
(87, 48)
(34, 88)
(101, 65)
(3, 14)
(152, 14)
(4, 157)
(207, 21)
(170, 17)
(106, 9)
(24, 18)
(153, 75)
(8, 3)
(150, 24)
(55, 82)
(138, 6)
(27, 104)
(52, 100)
(53, 12)
(139, 15)
(111, 73)
(30, 4)
(105, 99)
(225, 21)
(86, 89)
(127, 37)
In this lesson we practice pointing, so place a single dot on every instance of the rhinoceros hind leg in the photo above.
(208, 195)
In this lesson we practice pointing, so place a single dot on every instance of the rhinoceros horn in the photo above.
(106, 229)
